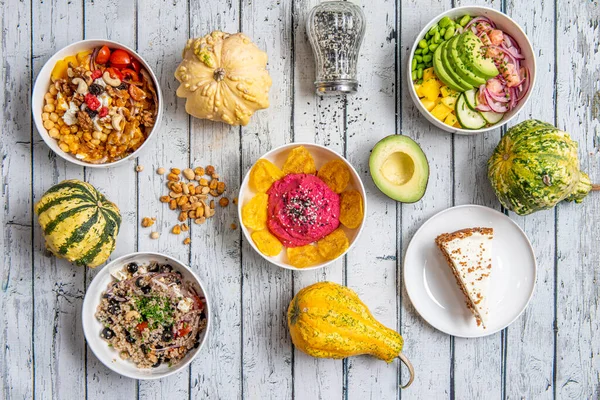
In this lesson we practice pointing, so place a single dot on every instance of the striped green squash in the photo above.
(535, 166)
(78, 222)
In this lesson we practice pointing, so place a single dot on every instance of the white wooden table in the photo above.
(551, 351)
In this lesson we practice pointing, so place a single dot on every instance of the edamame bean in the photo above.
(414, 75)
(437, 38)
(425, 51)
(427, 58)
(420, 73)
(444, 22)
(423, 43)
(464, 20)
(419, 59)
(432, 47)
(442, 32)
(449, 33)
(433, 29)
(413, 64)
(418, 51)
(420, 66)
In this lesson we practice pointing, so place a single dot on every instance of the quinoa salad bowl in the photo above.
(146, 315)
(96, 103)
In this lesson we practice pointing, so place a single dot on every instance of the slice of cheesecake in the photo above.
(469, 255)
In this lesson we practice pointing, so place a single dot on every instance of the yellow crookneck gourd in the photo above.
(327, 320)
(223, 78)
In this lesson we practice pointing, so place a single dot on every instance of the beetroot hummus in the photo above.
(302, 209)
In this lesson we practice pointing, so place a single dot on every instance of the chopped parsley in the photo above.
(156, 309)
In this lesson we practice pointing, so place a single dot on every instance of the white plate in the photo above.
(431, 285)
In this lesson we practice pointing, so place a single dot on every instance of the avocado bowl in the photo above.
(449, 63)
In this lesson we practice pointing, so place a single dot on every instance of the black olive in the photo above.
(139, 282)
(114, 308)
(158, 347)
(196, 345)
(144, 348)
(129, 338)
(166, 268)
(91, 113)
(167, 335)
(166, 360)
(95, 89)
(122, 86)
(109, 320)
(178, 281)
(132, 268)
(146, 289)
(107, 334)
(179, 273)
(157, 364)
(153, 268)
(106, 295)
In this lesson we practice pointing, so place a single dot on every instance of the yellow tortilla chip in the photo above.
(254, 213)
(333, 245)
(351, 209)
(268, 244)
(335, 174)
(303, 256)
(263, 174)
(299, 161)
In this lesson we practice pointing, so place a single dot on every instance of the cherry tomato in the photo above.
(135, 64)
(115, 73)
(183, 331)
(96, 74)
(141, 326)
(103, 55)
(120, 59)
(103, 112)
(131, 74)
(136, 93)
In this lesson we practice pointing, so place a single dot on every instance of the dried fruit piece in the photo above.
(224, 202)
(147, 222)
(154, 235)
(351, 209)
(303, 256)
(176, 230)
(335, 174)
(210, 170)
(263, 174)
(299, 161)
(267, 244)
(139, 168)
(333, 245)
(160, 170)
(254, 213)
(188, 173)
(187, 241)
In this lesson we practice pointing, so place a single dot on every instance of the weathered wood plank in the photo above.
(16, 307)
(577, 231)
(530, 340)
(116, 21)
(426, 347)
(371, 264)
(267, 289)
(216, 254)
(160, 39)
(319, 120)
(58, 285)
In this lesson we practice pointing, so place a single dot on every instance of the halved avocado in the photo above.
(469, 47)
(449, 68)
(399, 168)
(440, 71)
(461, 69)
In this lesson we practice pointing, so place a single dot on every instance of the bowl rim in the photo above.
(463, 131)
(43, 132)
(89, 297)
(360, 188)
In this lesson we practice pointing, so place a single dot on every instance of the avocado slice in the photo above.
(469, 46)
(461, 69)
(399, 168)
(440, 71)
(449, 68)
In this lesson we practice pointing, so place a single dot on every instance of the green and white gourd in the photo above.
(535, 166)
(78, 223)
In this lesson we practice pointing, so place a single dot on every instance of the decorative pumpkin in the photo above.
(327, 320)
(535, 166)
(224, 78)
(78, 222)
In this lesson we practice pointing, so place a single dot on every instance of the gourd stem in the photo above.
(411, 370)
(595, 187)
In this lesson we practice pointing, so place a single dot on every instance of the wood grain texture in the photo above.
(577, 252)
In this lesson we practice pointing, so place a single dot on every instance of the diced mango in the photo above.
(450, 119)
(418, 90)
(447, 92)
(428, 104)
(83, 57)
(449, 101)
(60, 69)
(457, 125)
(428, 73)
(431, 89)
(441, 111)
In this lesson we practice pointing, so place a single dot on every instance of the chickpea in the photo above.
(48, 124)
(49, 108)
(64, 147)
(54, 117)
(96, 135)
(73, 128)
(54, 133)
(87, 136)
(50, 101)
(103, 137)
(64, 130)
(48, 96)
(45, 116)
(95, 141)
(67, 139)
(53, 90)
(74, 147)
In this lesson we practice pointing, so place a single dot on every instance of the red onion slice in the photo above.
(495, 106)
(502, 98)
(480, 19)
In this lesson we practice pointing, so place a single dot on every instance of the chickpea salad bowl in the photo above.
(96, 103)
(146, 315)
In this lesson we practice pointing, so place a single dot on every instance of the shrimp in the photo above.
(511, 75)
(483, 27)
(496, 37)
(495, 54)
(485, 39)
(494, 86)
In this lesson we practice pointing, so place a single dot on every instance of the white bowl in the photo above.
(92, 327)
(505, 23)
(321, 155)
(43, 81)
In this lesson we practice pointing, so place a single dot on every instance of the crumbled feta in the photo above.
(70, 116)
(104, 97)
(185, 305)
(97, 126)
(100, 82)
(62, 104)
(118, 274)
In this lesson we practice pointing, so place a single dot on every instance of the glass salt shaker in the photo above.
(335, 30)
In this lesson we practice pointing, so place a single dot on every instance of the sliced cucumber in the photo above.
(471, 98)
(468, 118)
(492, 117)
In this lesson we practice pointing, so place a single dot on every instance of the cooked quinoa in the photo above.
(150, 315)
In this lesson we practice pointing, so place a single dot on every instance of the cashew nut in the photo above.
(70, 72)
(82, 87)
(110, 80)
(116, 122)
